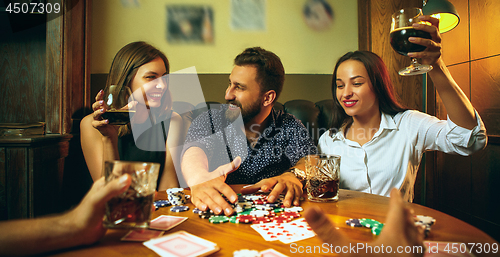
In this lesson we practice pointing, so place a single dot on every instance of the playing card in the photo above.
(299, 229)
(181, 244)
(166, 222)
(141, 235)
(269, 231)
(271, 253)
(285, 232)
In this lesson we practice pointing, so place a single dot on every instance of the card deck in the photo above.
(181, 244)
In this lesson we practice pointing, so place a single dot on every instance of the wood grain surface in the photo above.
(230, 237)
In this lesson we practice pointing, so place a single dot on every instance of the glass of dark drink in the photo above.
(118, 111)
(133, 208)
(401, 30)
(322, 177)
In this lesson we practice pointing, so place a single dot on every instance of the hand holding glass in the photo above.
(401, 30)
(118, 111)
(131, 209)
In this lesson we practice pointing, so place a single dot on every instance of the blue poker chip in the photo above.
(200, 212)
(272, 205)
(179, 208)
(353, 223)
(161, 203)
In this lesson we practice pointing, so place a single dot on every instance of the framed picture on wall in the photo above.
(188, 24)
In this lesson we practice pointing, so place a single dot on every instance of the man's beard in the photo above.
(246, 113)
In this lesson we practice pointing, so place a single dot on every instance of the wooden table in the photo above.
(231, 237)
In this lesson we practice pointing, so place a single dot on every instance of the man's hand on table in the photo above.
(286, 182)
(399, 230)
(208, 194)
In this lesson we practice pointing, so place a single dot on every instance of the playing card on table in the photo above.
(141, 235)
(299, 229)
(181, 244)
(269, 231)
(166, 222)
(285, 232)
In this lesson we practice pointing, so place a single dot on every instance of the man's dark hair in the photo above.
(270, 71)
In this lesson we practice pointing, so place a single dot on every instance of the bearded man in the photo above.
(260, 150)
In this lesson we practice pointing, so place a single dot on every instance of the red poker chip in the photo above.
(261, 220)
(245, 218)
(281, 219)
(291, 214)
(259, 202)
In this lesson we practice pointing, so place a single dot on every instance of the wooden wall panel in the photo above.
(457, 40)
(75, 66)
(375, 38)
(484, 28)
(485, 86)
(22, 87)
(485, 191)
(19, 191)
(54, 73)
(3, 185)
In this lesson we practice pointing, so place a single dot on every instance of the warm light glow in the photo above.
(447, 21)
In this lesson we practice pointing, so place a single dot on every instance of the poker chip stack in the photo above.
(376, 226)
(254, 209)
(426, 221)
(176, 196)
(161, 203)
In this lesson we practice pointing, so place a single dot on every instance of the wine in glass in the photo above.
(117, 111)
(401, 30)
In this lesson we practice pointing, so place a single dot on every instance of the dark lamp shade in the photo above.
(444, 11)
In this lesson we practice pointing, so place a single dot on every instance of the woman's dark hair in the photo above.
(380, 79)
(124, 68)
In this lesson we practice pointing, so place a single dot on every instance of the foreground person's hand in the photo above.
(398, 233)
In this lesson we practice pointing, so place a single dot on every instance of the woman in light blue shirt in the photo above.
(380, 142)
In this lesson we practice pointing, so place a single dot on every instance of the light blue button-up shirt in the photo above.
(391, 158)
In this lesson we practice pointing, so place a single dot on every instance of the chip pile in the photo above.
(177, 198)
(161, 203)
(426, 221)
(254, 209)
(377, 226)
(374, 225)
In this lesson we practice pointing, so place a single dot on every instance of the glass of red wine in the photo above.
(116, 100)
(401, 30)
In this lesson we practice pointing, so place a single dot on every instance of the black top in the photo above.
(149, 146)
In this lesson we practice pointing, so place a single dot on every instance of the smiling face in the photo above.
(354, 90)
(148, 84)
(243, 93)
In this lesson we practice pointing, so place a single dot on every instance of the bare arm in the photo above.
(458, 106)
(98, 139)
(174, 139)
(81, 226)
